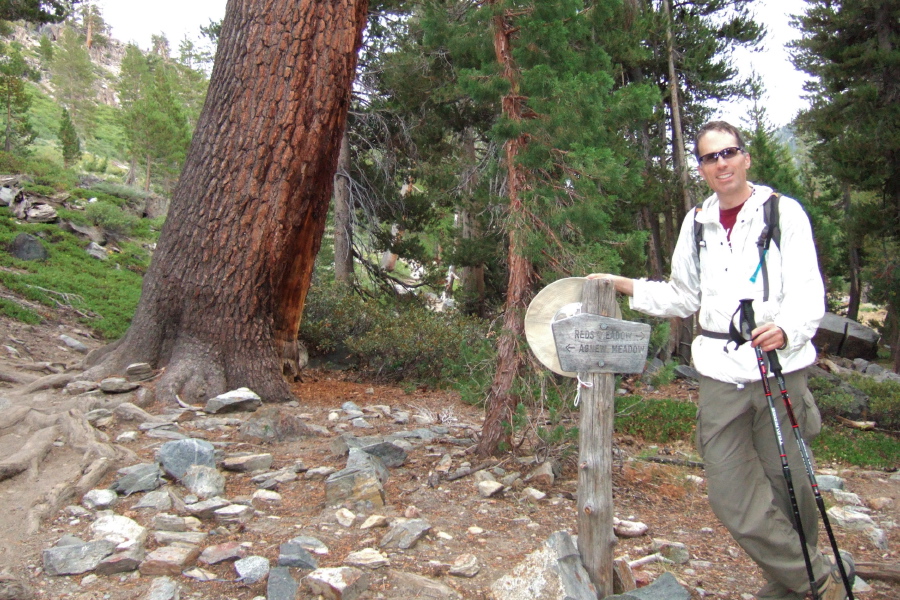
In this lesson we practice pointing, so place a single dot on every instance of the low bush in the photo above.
(884, 400)
(866, 449)
(394, 339)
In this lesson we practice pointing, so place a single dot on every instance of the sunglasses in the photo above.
(713, 157)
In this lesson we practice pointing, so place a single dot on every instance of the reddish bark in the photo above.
(501, 403)
(223, 297)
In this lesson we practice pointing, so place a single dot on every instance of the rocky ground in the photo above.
(441, 536)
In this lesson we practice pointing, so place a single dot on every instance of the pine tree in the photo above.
(36, 11)
(852, 51)
(68, 140)
(14, 99)
(73, 76)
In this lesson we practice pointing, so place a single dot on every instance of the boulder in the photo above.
(74, 559)
(553, 572)
(28, 247)
(177, 456)
(844, 337)
(666, 587)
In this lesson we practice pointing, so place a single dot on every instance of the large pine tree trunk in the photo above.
(471, 278)
(501, 403)
(853, 262)
(222, 299)
(343, 228)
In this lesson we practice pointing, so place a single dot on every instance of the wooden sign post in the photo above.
(596, 346)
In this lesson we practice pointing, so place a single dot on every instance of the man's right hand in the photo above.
(623, 285)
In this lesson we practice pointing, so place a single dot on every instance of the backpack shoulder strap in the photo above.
(771, 231)
(698, 230)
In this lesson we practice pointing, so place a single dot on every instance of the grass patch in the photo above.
(69, 276)
(866, 449)
(655, 421)
(18, 312)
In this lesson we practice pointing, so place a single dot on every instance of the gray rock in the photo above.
(281, 585)
(143, 477)
(553, 572)
(162, 588)
(274, 424)
(28, 247)
(121, 562)
(117, 385)
(252, 568)
(465, 565)
(361, 481)
(97, 251)
(239, 400)
(74, 388)
(213, 555)
(139, 371)
(77, 558)
(292, 554)
(207, 508)
(156, 500)
(410, 585)
(74, 344)
(129, 412)
(247, 462)
(367, 558)
(828, 483)
(340, 583)
(99, 499)
(405, 533)
(310, 543)
(204, 481)
(177, 456)
(674, 551)
(666, 587)
(41, 213)
(391, 455)
(119, 529)
(687, 372)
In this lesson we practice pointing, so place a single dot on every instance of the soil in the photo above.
(663, 496)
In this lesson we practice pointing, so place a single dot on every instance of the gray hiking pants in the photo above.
(745, 480)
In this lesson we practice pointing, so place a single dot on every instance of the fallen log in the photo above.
(882, 571)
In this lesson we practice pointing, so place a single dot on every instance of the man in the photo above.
(735, 436)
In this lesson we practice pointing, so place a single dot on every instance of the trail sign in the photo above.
(589, 343)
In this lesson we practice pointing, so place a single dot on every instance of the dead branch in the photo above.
(861, 425)
(674, 461)
(634, 564)
(16, 378)
(466, 472)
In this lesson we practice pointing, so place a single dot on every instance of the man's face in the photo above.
(726, 177)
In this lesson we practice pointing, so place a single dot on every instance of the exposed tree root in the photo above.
(32, 453)
(16, 378)
(49, 382)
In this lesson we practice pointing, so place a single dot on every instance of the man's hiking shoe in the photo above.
(833, 586)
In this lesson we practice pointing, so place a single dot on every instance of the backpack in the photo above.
(771, 232)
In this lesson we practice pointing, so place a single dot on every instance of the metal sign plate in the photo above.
(587, 343)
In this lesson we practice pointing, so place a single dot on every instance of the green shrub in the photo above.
(665, 375)
(111, 218)
(884, 400)
(132, 195)
(830, 398)
(657, 421)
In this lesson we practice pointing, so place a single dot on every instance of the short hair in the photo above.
(722, 126)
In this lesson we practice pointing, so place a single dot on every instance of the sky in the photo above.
(133, 21)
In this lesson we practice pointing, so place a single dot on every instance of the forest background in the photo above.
(471, 177)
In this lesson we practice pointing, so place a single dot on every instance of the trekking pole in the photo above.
(748, 324)
(775, 365)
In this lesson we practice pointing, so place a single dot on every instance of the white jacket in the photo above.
(796, 293)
